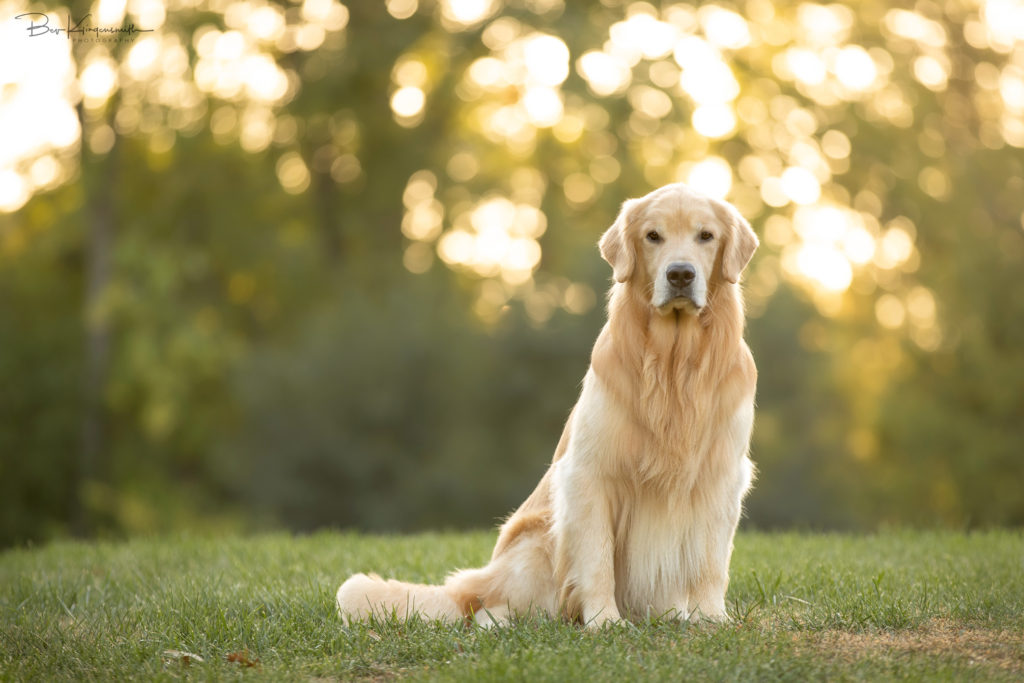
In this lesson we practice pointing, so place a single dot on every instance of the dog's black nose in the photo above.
(680, 274)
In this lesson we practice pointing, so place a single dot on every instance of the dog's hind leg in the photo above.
(518, 581)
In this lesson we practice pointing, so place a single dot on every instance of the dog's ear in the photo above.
(616, 246)
(739, 244)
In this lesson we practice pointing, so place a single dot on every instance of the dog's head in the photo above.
(677, 243)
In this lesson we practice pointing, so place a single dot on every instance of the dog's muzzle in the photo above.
(684, 289)
(680, 278)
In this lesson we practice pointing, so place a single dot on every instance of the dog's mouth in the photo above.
(680, 288)
(680, 302)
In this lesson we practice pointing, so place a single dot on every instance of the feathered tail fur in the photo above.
(363, 595)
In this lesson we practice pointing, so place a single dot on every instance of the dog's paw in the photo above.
(602, 618)
(711, 617)
(492, 617)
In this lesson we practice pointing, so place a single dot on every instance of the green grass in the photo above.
(897, 605)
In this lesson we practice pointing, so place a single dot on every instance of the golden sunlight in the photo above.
(37, 84)
(824, 266)
(855, 69)
(464, 14)
(712, 176)
(642, 36)
(402, 9)
(1003, 22)
(110, 12)
(98, 80)
(543, 106)
(546, 59)
(14, 191)
(605, 74)
(497, 237)
(407, 104)
(832, 239)
(513, 90)
(724, 28)
(292, 173)
(706, 78)
(800, 185)
(714, 120)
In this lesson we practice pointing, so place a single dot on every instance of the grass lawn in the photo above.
(896, 605)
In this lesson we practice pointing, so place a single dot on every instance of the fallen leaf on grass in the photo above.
(244, 658)
(185, 658)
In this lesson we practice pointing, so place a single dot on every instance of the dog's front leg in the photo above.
(584, 545)
(708, 591)
(712, 581)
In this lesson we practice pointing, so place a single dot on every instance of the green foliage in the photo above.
(897, 605)
(391, 410)
(40, 342)
(292, 337)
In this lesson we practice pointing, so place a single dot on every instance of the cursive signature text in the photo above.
(39, 25)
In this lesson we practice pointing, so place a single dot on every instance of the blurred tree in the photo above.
(392, 409)
(333, 263)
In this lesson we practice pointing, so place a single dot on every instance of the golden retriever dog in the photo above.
(636, 515)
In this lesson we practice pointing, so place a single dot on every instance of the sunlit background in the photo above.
(321, 264)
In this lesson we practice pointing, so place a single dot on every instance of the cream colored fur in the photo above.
(636, 515)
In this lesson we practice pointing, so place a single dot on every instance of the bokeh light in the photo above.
(479, 148)
(685, 73)
(463, 14)
(605, 74)
(712, 176)
(407, 102)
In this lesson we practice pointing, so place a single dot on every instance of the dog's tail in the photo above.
(458, 599)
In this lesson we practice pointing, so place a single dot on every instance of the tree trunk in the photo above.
(99, 179)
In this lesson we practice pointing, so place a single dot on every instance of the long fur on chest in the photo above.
(661, 371)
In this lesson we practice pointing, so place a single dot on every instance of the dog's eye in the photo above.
(653, 237)
(706, 236)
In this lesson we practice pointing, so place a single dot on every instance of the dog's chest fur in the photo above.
(678, 379)
(688, 418)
